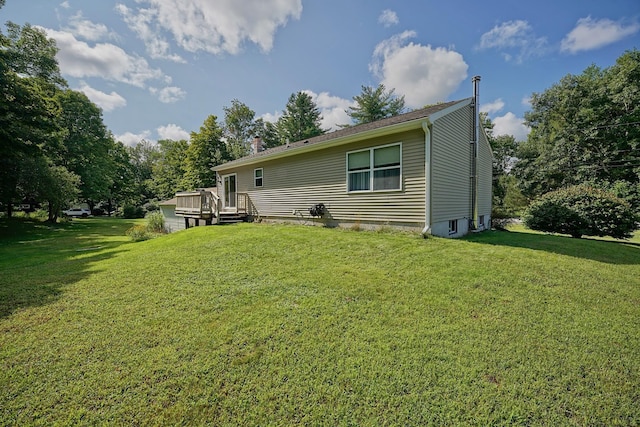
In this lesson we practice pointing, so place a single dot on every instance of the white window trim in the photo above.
(454, 229)
(372, 169)
(255, 178)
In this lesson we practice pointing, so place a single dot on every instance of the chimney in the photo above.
(257, 145)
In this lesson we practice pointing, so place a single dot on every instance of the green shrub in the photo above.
(131, 212)
(155, 222)
(581, 210)
(151, 206)
(138, 233)
(39, 214)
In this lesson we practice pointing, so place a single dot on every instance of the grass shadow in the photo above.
(606, 251)
(38, 260)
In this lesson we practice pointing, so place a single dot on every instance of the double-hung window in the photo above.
(257, 177)
(375, 169)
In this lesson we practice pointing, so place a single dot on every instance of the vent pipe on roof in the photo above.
(474, 152)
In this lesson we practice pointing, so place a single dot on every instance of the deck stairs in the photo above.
(231, 217)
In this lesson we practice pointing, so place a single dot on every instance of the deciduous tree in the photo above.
(86, 145)
(168, 171)
(29, 77)
(583, 128)
(239, 128)
(205, 151)
(142, 157)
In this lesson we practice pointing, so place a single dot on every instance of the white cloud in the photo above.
(332, 108)
(590, 34)
(131, 139)
(108, 61)
(85, 29)
(492, 107)
(424, 75)
(144, 24)
(514, 38)
(169, 94)
(106, 101)
(271, 118)
(388, 18)
(509, 124)
(172, 131)
(214, 27)
(526, 101)
(65, 4)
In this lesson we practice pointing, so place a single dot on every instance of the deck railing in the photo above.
(201, 204)
(242, 202)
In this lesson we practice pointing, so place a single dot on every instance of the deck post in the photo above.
(186, 223)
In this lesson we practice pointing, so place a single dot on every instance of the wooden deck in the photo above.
(206, 205)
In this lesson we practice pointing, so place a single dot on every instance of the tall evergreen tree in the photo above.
(268, 132)
(375, 104)
(301, 119)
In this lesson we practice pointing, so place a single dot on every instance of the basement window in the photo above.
(453, 226)
(375, 169)
(257, 177)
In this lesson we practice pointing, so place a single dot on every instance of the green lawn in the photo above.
(280, 325)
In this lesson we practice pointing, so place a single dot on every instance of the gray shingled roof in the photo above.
(352, 130)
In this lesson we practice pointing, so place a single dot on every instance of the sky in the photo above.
(158, 68)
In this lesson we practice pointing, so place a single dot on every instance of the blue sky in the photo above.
(158, 68)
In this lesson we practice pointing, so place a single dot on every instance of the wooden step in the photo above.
(231, 218)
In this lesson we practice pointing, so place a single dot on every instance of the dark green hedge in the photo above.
(581, 210)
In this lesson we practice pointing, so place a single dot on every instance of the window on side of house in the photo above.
(375, 169)
(453, 226)
(258, 177)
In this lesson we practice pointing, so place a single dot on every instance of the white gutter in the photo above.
(427, 177)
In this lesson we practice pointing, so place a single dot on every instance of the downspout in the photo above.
(474, 153)
(426, 126)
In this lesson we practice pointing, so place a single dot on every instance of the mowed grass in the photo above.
(286, 325)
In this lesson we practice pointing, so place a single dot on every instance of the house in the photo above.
(427, 170)
(172, 222)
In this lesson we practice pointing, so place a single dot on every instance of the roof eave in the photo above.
(348, 139)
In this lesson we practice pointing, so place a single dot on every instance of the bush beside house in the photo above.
(581, 210)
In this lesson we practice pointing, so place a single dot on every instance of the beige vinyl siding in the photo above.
(296, 183)
(172, 222)
(485, 171)
(450, 166)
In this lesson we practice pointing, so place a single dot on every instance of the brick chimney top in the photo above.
(257, 145)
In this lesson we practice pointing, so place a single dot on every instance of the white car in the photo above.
(83, 212)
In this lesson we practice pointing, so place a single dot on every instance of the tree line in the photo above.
(584, 139)
(55, 149)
